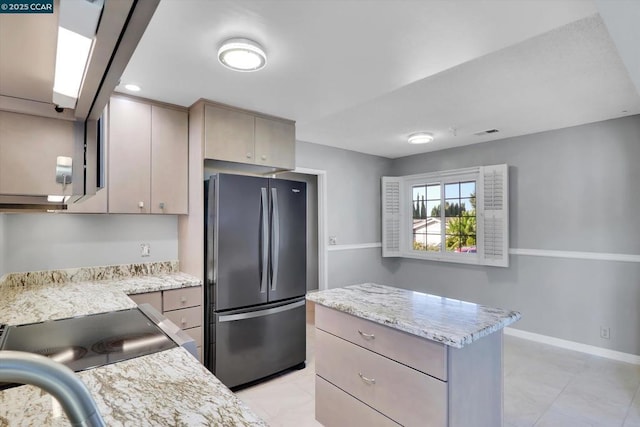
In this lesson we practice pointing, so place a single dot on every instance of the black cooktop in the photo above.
(90, 341)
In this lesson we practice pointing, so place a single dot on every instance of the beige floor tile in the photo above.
(302, 416)
(277, 398)
(597, 410)
(558, 419)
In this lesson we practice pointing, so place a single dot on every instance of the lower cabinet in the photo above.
(182, 306)
(371, 374)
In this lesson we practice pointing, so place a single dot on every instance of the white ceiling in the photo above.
(362, 75)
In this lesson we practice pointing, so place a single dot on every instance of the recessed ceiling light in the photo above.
(242, 55)
(420, 138)
(132, 87)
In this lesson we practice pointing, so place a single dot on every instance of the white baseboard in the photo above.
(355, 246)
(576, 346)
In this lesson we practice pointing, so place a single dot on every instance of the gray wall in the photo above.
(573, 189)
(353, 210)
(55, 241)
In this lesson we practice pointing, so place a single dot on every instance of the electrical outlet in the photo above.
(145, 249)
(333, 240)
(605, 333)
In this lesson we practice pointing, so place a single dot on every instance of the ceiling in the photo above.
(362, 75)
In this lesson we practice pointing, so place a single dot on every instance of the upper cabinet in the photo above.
(29, 149)
(148, 158)
(243, 137)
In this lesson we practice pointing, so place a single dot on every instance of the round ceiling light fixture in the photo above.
(420, 138)
(240, 54)
(132, 87)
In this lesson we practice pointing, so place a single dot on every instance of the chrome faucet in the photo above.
(56, 379)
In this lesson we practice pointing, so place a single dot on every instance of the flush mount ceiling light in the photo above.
(420, 138)
(242, 55)
(132, 87)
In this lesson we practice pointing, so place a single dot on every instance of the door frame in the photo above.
(323, 238)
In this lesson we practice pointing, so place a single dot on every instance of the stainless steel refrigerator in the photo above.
(255, 261)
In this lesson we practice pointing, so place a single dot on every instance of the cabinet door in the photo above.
(275, 143)
(29, 147)
(169, 160)
(129, 183)
(228, 135)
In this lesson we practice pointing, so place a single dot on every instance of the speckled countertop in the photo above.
(170, 388)
(44, 301)
(449, 321)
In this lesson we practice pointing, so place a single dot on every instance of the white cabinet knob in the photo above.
(248, 155)
(264, 157)
(141, 205)
(183, 300)
(183, 321)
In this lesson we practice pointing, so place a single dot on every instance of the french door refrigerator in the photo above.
(255, 262)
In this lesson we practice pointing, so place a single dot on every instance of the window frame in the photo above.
(406, 221)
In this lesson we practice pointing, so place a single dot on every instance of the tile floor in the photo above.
(544, 386)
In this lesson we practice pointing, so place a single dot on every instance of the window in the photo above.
(456, 216)
(444, 212)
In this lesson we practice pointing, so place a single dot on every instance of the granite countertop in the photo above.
(166, 388)
(169, 388)
(45, 301)
(449, 321)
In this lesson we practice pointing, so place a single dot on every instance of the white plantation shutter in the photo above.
(493, 223)
(391, 216)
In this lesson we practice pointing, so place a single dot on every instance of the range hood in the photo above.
(27, 84)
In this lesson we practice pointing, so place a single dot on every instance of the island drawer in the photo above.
(335, 408)
(153, 298)
(422, 354)
(186, 317)
(390, 387)
(182, 298)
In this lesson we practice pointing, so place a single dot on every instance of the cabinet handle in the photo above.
(183, 299)
(183, 321)
(366, 380)
(141, 205)
(248, 155)
(366, 336)
(161, 205)
(264, 157)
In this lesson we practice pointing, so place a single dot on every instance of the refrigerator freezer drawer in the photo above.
(254, 344)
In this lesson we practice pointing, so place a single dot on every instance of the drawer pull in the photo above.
(366, 380)
(183, 321)
(183, 299)
(366, 336)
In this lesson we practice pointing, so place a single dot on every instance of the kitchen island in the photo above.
(166, 388)
(389, 356)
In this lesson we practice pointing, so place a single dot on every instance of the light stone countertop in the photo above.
(40, 302)
(449, 321)
(168, 388)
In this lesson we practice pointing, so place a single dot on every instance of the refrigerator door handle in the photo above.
(264, 241)
(260, 313)
(275, 238)
(210, 226)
